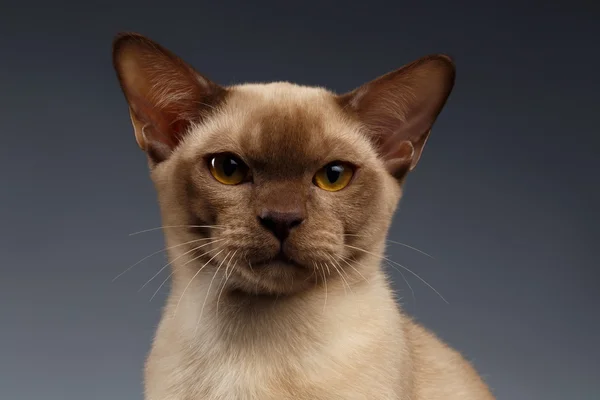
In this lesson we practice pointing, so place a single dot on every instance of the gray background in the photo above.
(503, 197)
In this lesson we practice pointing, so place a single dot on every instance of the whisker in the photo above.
(343, 279)
(328, 270)
(324, 284)
(191, 280)
(401, 266)
(208, 291)
(313, 273)
(412, 248)
(178, 226)
(405, 281)
(345, 259)
(161, 285)
(155, 253)
(183, 265)
(342, 270)
(178, 257)
(395, 242)
(226, 279)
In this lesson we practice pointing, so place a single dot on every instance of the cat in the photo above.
(276, 200)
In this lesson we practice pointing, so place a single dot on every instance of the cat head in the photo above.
(284, 186)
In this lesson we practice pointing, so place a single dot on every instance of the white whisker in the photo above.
(226, 279)
(342, 272)
(412, 248)
(208, 292)
(405, 281)
(183, 265)
(178, 257)
(324, 284)
(328, 270)
(395, 242)
(161, 285)
(344, 259)
(155, 253)
(191, 280)
(343, 279)
(177, 226)
(401, 266)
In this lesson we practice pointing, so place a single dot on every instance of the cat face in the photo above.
(288, 181)
(279, 186)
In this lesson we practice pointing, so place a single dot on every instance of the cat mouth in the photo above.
(280, 259)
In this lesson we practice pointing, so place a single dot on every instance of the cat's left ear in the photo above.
(399, 109)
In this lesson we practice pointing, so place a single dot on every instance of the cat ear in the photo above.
(165, 94)
(398, 109)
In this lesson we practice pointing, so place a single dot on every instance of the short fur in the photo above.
(240, 325)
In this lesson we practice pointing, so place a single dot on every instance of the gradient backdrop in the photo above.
(505, 197)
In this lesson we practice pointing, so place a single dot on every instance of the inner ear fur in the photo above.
(165, 94)
(398, 110)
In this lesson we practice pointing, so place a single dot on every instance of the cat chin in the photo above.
(272, 278)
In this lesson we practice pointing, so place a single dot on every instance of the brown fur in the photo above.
(240, 325)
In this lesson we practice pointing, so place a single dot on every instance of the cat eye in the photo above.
(228, 169)
(334, 176)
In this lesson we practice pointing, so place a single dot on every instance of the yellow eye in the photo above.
(334, 176)
(228, 169)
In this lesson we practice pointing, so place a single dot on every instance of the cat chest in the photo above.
(276, 380)
(244, 380)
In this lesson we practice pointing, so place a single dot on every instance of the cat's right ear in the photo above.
(165, 94)
(398, 109)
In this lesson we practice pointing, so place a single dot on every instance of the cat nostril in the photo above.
(267, 223)
(280, 223)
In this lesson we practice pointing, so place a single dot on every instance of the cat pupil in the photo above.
(334, 172)
(229, 166)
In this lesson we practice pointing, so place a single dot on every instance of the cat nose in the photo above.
(280, 223)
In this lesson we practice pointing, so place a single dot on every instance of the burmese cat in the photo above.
(276, 200)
